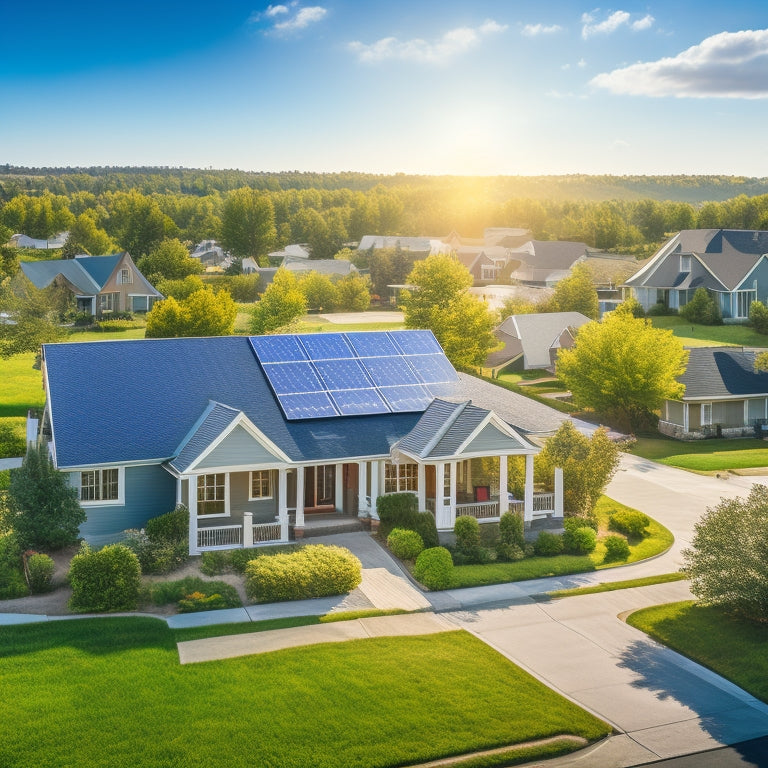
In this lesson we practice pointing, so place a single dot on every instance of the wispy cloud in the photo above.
(292, 17)
(591, 26)
(727, 65)
(452, 43)
(534, 30)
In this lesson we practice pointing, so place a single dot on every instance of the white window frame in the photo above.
(706, 422)
(685, 262)
(98, 486)
(401, 478)
(744, 298)
(126, 276)
(488, 271)
(107, 302)
(225, 485)
(263, 476)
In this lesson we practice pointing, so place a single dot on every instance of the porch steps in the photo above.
(327, 525)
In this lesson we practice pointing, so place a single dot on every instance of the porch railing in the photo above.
(264, 532)
(481, 510)
(543, 502)
(220, 536)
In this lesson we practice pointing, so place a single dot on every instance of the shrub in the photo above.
(475, 555)
(40, 569)
(106, 580)
(239, 558)
(172, 526)
(400, 510)
(582, 520)
(215, 562)
(702, 308)
(660, 310)
(166, 592)
(758, 316)
(12, 583)
(629, 522)
(434, 568)
(509, 553)
(405, 544)
(548, 544)
(424, 524)
(83, 319)
(5, 479)
(156, 556)
(315, 570)
(12, 443)
(467, 531)
(616, 549)
(511, 530)
(579, 541)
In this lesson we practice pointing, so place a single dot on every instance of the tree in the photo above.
(245, 288)
(33, 315)
(86, 237)
(319, 291)
(702, 308)
(281, 304)
(441, 302)
(41, 507)
(623, 366)
(170, 260)
(727, 561)
(588, 465)
(248, 223)
(354, 293)
(631, 306)
(202, 313)
(576, 293)
(180, 288)
(137, 223)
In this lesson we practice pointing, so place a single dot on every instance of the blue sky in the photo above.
(414, 86)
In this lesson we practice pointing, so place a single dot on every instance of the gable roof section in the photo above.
(539, 332)
(215, 419)
(551, 254)
(100, 268)
(43, 273)
(722, 372)
(151, 393)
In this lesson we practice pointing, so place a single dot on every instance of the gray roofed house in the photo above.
(24, 241)
(100, 284)
(545, 262)
(532, 341)
(724, 396)
(322, 266)
(730, 264)
(256, 435)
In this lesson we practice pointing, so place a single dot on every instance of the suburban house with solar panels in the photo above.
(256, 435)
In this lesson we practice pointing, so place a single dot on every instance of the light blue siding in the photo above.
(492, 440)
(149, 491)
(264, 510)
(237, 449)
(759, 274)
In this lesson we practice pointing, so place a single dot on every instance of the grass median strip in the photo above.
(611, 586)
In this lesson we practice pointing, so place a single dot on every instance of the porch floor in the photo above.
(331, 523)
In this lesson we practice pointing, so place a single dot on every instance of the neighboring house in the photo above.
(495, 295)
(508, 237)
(485, 263)
(22, 241)
(545, 262)
(730, 263)
(295, 251)
(255, 435)
(340, 267)
(425, 246)
(100, 284)
(532, 341)
(210, 254)
(249, 265)
(724, 396)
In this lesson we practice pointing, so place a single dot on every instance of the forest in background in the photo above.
(134, 209)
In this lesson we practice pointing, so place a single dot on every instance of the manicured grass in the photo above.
(112, 693)
(693, 335)
(22, 385)
(130, 333)
(703, 455)
(658, 540)
(732, 647)
(612, 586)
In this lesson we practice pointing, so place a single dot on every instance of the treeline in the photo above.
(252, 222)
(15, 180)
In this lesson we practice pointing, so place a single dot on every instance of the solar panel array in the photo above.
(354, 374)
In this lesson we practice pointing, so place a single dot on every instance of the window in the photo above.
(107, 302)
(685, 263)
(261, 484)
(401, 477)
(488, 272)
(744, 300)
(100, 485)
(211, 495)
(126, 276)
(706, 414)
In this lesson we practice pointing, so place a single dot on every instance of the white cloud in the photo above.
(302, 19)
(533, 30)
(275, 10)
(581, 64)
(726, 65)
(452, 43)
(590, 25)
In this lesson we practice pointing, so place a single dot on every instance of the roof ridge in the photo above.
(449, 422)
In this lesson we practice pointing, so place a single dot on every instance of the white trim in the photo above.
(118, 502)
(712, 398)
(251, 497)
(227, 511)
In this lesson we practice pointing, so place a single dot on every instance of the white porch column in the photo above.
(421, 491)
(192, 494)
(558, 492)
(453, 469)
(338, 488)
(247, 529)
(362, 488)
(299, 499)
(375, 472)
(178, 490)
(282, 502)
(685, 417)
(503, 494)
(528, 497)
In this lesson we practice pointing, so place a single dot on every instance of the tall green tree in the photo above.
(41, 507)
(354, 293)
(576, 293)
(441, 302)
(248, 223)
(169, 260)
(319, 291)
(85, 236)
(137, 224)
(624, 367)
(202, 313)
(33, 315)
(281, 304)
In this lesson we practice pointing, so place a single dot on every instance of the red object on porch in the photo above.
(482, 492)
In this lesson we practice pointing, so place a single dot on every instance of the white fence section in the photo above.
(220, 536)
(264, 532)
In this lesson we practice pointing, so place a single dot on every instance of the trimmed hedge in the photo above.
(401, 510)
(315, 570)
(172, 526)
(629, 522)
(467, 532)
(548, 544)
(616, 549)
(405, 544)
(579, 537)
(107, 580)
(40, 569)
(434, 568)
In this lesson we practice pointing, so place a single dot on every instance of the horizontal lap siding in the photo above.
(149, 491)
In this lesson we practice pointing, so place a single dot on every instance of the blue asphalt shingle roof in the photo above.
(217, 418)
(131, 401)
(99, 267)
(43, 273)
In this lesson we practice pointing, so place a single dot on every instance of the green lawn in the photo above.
(693, 335)
(659, 539)
(22, 385)
(733, 648)
(703, 455)
(110, 692)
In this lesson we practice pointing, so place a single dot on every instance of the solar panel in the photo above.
(349, 374)
(277, 349)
